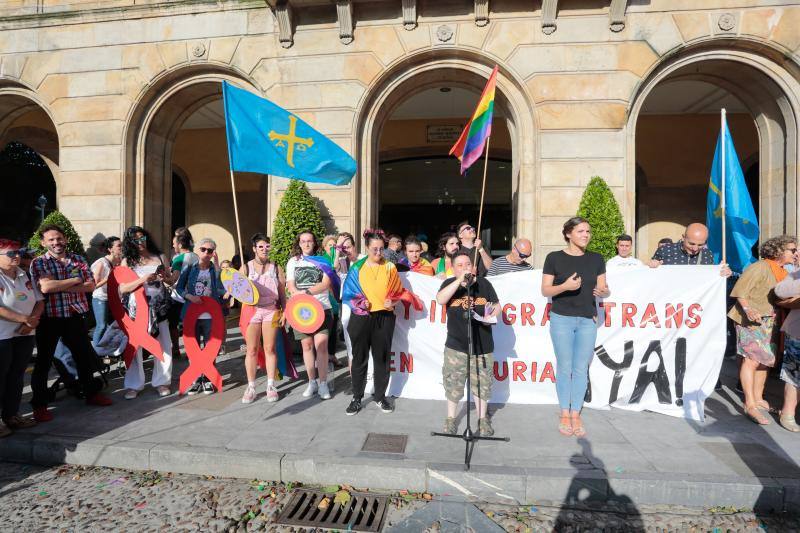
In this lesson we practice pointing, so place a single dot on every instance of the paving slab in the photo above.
(627, 456)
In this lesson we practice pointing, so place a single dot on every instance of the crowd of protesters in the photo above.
(47, 304)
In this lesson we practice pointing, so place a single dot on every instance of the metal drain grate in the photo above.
(385, 443)
(364, 512)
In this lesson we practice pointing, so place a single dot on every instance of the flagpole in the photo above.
(236, 215)
(722, 183)
(483, 191)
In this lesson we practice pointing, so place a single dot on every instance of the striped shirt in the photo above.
(502, 265)
(62, 304)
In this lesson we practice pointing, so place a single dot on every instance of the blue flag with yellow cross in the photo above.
(267, 139)
(740, 217)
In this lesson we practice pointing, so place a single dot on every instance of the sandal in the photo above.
(754, 414)
(763, 404)
(578, 430)
(565, 428)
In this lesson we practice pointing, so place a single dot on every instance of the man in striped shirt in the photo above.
(514, 261)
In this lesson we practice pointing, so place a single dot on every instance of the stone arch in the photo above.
(150, 131)
(768, 84)
(25, 118)
(458, 68)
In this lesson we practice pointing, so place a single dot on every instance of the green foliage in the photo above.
(600, 208)
(74, 243)
(298, 211)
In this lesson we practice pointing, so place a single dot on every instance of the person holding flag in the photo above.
(730, 216)
(371, 290)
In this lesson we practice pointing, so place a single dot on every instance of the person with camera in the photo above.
(202, 279)
(470, 300)
(64, 279)
(141, 255)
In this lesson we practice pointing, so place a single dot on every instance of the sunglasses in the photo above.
(13, 253)
(140, 240)
(521, 255)
(466, 228)
(207, 250)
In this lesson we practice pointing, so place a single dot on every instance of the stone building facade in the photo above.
(121, 100)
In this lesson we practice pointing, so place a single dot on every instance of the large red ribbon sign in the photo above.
(201, 360)
(134, 329)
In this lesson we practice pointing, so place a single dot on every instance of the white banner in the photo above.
(660, 341)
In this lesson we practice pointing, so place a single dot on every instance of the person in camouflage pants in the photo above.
(466, 297)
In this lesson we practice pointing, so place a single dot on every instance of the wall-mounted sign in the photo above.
(444, 133)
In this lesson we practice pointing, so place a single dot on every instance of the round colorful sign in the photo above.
(304, 313)
(239, 286)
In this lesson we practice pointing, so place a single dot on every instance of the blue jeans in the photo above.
(100, 308)
(573, 342)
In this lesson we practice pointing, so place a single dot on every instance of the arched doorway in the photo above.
(405, 97)
(177, 162)
(420, 187)
(29, 154)
(675, 122)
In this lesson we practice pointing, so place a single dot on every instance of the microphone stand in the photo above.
(468, 436)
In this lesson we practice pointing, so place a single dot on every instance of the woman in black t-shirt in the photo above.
(573, 278)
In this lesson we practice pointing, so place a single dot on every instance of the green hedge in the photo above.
(298, 211)
(74, 243)
(600, 208)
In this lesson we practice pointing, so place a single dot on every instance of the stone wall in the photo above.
(572, 91)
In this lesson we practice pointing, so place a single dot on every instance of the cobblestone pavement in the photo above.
(75, 498)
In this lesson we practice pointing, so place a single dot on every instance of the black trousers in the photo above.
(373, 331)
(14, 356)
(74, 333)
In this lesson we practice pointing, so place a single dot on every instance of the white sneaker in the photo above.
(324, 393)
(311, 390)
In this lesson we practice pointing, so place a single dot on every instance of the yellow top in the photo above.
(379, 282)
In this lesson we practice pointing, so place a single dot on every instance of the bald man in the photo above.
(690, 250)
(514, 261)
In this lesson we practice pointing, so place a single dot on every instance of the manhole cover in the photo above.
(385, 443)
(364, 512)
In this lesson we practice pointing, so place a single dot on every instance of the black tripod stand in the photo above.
(468, 436)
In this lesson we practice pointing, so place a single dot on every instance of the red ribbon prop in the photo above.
(201, 360)
(134, 329)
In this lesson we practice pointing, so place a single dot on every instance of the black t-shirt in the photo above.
(482, 292)
(471, 251)
(588, 266)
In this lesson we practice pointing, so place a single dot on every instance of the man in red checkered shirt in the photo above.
(64, 279)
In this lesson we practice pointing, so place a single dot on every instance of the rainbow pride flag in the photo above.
(470, 144)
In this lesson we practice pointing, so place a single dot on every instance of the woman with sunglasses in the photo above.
(21, 306)
(757, 328)
(514, 261)
(262, 330)
(202, 279)
(141, 255)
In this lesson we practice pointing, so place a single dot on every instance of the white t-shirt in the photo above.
(305, 274)
(101, 293)
(202, 287)
(618, 261)
(19, 295)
